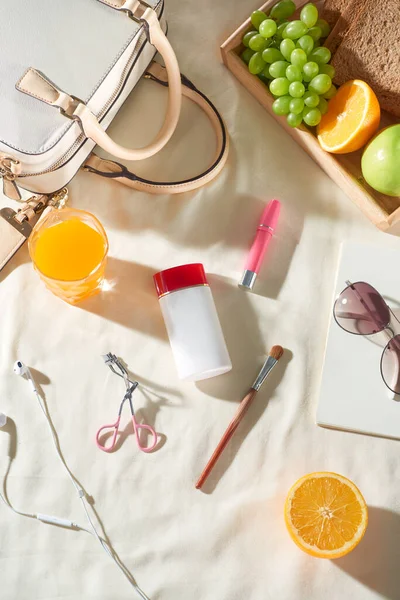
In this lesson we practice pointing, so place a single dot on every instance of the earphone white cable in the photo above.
(17, 512)
(65, 522)
(81, 495)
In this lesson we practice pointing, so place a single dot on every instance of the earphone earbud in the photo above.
(21, 369)
(3, 419)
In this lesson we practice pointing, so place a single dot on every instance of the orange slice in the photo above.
(351, 120)
(326, 515)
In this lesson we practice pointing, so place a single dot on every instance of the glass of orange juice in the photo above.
(69, 248)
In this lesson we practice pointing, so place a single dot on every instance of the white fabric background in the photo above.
(228, 542)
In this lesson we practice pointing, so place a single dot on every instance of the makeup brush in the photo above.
(274, 355)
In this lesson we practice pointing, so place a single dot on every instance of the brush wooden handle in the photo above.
(233, 425)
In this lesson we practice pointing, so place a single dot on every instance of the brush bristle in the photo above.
(276, 352)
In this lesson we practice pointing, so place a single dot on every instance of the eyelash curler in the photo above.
(118, 368)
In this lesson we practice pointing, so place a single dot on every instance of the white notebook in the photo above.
(353, 395)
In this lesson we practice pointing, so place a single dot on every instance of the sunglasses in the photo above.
(361, 310)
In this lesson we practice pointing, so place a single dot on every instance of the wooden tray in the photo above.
(345, 169)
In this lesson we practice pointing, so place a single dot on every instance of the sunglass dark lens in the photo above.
(390, 364)
(361, 309)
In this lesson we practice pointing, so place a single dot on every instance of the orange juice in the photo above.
(69, 248)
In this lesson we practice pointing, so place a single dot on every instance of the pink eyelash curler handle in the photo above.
(151, 431)
(114, 426)
(136, 427)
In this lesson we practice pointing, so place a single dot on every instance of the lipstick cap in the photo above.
(248, 280)
(270, 215)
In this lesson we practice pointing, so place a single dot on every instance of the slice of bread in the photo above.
(332, 10)
(345, 20)
(370, 51)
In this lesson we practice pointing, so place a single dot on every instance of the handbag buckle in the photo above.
(9, 169)
(23, 227)
(131, 15)
(69, 112)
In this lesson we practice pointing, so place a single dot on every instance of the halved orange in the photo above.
(325, 514)
(351, 120)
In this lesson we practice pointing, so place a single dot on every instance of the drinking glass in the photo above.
(70, 260)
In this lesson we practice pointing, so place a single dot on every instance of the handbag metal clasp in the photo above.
(69, 113)
(138, 19)
(9, 169)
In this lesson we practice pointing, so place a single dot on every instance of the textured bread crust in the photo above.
(370, 51)
(332, 10)
(344, 22)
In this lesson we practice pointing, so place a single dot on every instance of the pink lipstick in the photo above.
(265, 231)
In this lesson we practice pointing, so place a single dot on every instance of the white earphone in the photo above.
(21, 369)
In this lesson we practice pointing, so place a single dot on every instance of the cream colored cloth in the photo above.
(228, 542)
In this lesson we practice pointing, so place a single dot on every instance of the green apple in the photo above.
(380, 163)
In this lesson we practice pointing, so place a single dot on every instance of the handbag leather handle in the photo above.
(37, 85)
(114, 170)
(92, 127)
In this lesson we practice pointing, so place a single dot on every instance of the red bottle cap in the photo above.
(178, 278)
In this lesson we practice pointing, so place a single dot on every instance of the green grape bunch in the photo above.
(287, 55)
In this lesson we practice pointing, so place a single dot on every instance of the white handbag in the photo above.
(62, 85)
